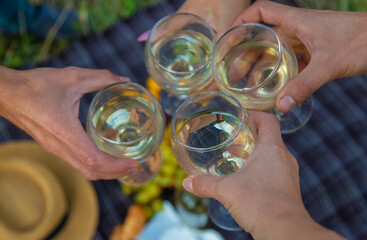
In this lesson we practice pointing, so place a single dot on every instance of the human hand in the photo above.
(218, 14)
(44, 102)
(264, 196)
(330, 45)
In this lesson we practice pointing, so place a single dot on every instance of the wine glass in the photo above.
(213, 134)
(178, 57)
(127, 121)
(254, 63)
(192, 209)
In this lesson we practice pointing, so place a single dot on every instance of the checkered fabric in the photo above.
(331, 149)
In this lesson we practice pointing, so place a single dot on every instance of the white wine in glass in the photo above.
(253, 63)
(185, 60)
(205, 133)
(248, 65)
(213, 134)
(178, 57)
(126, 121)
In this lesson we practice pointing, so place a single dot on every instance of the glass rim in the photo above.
(136, 85)
(269, 77)
(159, 23)
(188, 101)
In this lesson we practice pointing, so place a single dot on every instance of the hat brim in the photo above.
(82, 217)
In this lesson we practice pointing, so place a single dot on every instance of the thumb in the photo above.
(143, 37)
(302, 86)
(90, 80)
(205, 186)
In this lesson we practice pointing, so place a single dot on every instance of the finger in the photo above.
(96, 159)
(265, 11)
(175, 23)
(143, 37)
(290, 37)
(267, 125)
(302, 86)
(91, 158)
(302, 64)
(90, 80)
(62, 150)
(202, 185)
(98, 79)
(93, 174)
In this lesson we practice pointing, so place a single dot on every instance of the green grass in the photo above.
(94, 16)
(15, 51)
(339, 5)
(98, 15)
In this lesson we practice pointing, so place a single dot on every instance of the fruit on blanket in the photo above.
(134, 222)
(150, 196)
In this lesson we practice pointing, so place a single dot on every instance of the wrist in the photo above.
(220, 14)
(358, 51)
(292, 223)
(9, 80)
(5, 73)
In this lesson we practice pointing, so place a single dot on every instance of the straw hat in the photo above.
(43, 196)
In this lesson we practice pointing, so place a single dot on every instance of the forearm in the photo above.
(296, 225)
(5, 76)
(220, 14)
(355, 50)
(13, 85)
(363, 39)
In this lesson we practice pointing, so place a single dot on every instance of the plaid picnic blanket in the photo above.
(331, 149)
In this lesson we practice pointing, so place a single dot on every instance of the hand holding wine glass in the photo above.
(213, 134)
(254, 63)
(264, 196)
(218, 14)
(330, 44)
(126, 120)
(44, 102)
(178, 57)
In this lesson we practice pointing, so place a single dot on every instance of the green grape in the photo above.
(148, 211)
(168, 170)
(157, 205)
(152, 189)
(142, 197)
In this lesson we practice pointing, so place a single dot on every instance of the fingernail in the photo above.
(124, 79)
(187, 184)
(131, 170)
(143, 37)
(287, 103)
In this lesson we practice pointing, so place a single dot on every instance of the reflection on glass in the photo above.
(178, 56)
(212, 134)
(126, 121)
(254, 63)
